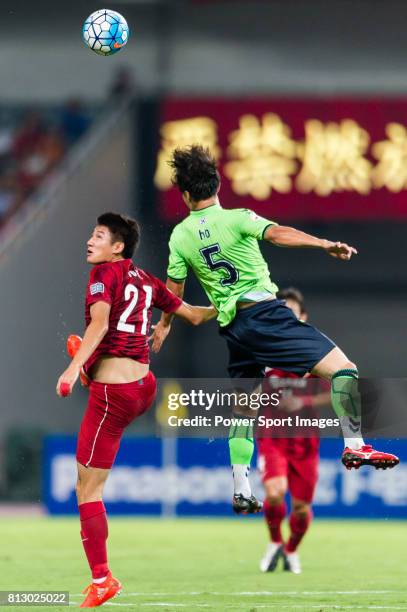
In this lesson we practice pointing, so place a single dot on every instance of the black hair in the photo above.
(194, 170)
(122, 229)
(292, 293)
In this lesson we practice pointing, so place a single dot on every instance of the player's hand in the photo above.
(158, 336)
(69, 377)
(340, 250)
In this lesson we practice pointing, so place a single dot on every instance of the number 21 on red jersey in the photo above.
(132, 293)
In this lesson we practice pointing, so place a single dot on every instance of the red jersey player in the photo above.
(289, 464)
(115, 355)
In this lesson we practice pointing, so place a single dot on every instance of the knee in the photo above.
(345, 365)
(88, 491)
(301, 509)
(82, 493)
(275, 494)
(275, 499)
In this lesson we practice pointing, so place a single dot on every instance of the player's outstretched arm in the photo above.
(284, 236)
(196, 314)
(163, 327)
(192, 314)
(94, 334)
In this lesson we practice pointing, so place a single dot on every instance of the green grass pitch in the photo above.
(212, 564)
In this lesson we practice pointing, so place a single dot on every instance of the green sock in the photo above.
(241, 448)
(346, 402)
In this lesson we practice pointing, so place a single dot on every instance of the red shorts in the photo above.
(301, 472)
(111, 408)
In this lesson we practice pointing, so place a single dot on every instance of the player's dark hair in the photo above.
(294, 294)
(122, 229)
(194, 170)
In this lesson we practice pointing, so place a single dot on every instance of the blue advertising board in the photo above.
(191, 477)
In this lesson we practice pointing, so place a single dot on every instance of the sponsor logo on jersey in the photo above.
(202, 221)
(97, 288)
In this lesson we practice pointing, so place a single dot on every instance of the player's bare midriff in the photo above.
(118, 370)
(242, 305)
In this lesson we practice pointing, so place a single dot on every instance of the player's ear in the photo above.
(187, 198)
(118, 248)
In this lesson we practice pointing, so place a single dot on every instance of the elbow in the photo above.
(196, 320)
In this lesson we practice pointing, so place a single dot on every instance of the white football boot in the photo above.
(273, 552)
(292, 562)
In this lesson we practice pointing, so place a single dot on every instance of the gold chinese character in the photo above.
(262, 156)
(332, 157)
(181, 133)
(391, 171)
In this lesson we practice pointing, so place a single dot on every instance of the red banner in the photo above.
(294, 159)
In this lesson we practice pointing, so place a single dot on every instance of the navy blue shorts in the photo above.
(269, 334)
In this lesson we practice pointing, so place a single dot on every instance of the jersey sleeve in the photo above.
(251, 224)
(101, 286)
(165, 299)
(177, 266)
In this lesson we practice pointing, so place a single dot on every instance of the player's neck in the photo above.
(204, 204)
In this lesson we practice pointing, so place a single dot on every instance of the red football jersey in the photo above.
(132, 293)
(294, 446)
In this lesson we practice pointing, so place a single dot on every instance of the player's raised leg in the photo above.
(94, 533)
(275, 510)
(346, 402)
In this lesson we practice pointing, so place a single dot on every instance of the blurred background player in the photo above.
(221, 247)
(289, 464)
(115, 355)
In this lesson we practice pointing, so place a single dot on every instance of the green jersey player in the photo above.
(221, 247)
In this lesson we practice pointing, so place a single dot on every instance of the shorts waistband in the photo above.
(135, 383)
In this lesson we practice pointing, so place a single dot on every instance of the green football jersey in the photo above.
(221, 246)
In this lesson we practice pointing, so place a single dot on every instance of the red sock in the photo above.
(298, 525)
(274, 516)
(94, 534)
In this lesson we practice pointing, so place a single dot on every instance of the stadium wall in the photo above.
(279, 46)
(44, 273)
(197, 481)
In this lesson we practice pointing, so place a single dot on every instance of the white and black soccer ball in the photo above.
(105, 32)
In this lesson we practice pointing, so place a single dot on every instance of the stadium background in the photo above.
(102, 116)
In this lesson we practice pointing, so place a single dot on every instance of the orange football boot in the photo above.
(73, 344)
(98, 594)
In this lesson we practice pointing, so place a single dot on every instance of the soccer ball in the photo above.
(105, 32)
